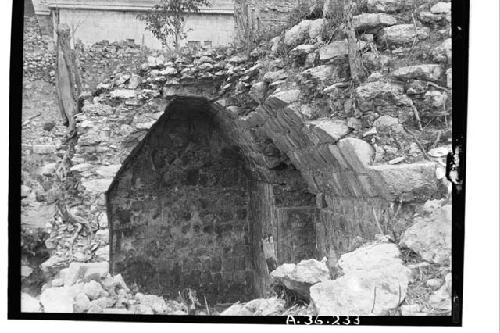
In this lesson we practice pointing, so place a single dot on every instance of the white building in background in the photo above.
(115, 20)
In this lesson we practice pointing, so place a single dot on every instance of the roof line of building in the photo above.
(121, 6)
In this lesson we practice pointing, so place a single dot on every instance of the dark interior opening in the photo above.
(186, 211)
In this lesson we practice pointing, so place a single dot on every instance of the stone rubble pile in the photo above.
(103, 60)
(89, 288)
(430, 236)
(38, 59)
(300, 277)
(373, 279)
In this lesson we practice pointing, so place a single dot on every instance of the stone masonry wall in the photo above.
(187, 210)
(179, 212)
(258, 15)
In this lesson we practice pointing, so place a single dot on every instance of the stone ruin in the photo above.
(213, 201)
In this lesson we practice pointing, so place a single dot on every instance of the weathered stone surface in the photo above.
(57, 300)
(372, 90)
(302, 50)
(84, 271)
(327, 130)
(429, 72)
(93, 289)
(337, 49)
(114, 284)
(441, 8)
(434, 283)
(321, 73)
(333, 50)
(48, 169)
(275, 76)
(97, 185)
(374, 282)
(25, 191)
(266, 306)
(275, 43)
(237, 309)
(449, 78)
(356, 152)
(38, 216)
(410, 310)
(257, 307)
(155, 61)
(44, 149)
(29, 304)
(108, 171)
(372, 20)
(81, 303)
(441, 299)
(372, 256)
(135, 81)
(297, 34)
(26, 271)
(287, 96)
(315, 28)
(238, 59)
(302, 276)
(407, 181)
(430, 236)
(122, 93)
(156, 303)
(258, 91)
(388, 6)
(435, 99)
(103, 302)
(403, 34)
(385, 122)
(95, 308)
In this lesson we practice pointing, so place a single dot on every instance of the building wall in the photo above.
(92, 26)
(258, 16)
(187, 211)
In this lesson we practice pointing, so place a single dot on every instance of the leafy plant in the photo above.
(167, 19)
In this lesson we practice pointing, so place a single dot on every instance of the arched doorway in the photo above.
(189, 209)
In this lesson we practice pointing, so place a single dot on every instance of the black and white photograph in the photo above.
(294, 162)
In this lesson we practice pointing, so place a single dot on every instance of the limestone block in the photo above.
(97, 185)
(429, 72)
(122, 93)
(374, 281)
(372, 20)
(403, 34)
(388, 6)
(407, 181)
(430, 236)
(297, 34)
(302, 276)
(441, 8)
(327, 130)
(287, 96)
(337, 49)
(44, 149)
(29, 303)
(357, 153)
(379, 89)
(321, 73)
(315, 28)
